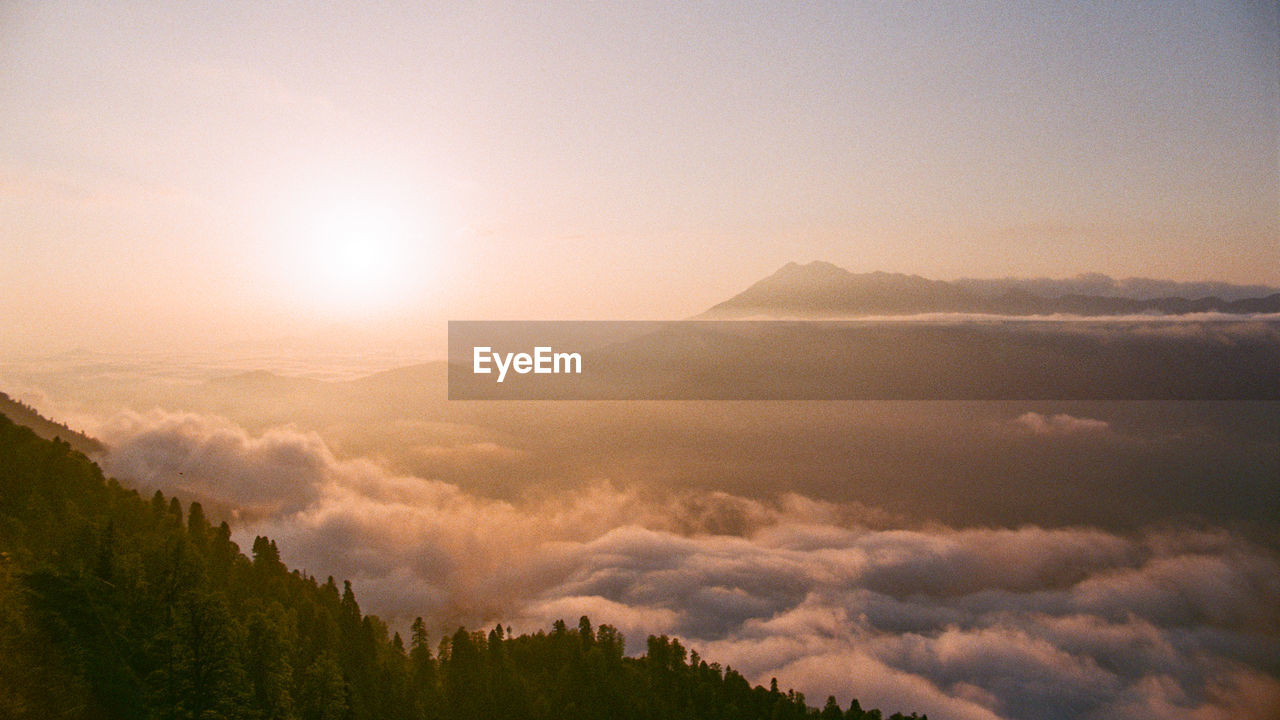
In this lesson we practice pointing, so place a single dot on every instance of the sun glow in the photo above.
(358, 250)
(358, 253)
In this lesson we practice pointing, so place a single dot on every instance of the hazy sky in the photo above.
(203, 173)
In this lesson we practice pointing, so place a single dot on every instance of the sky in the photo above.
(236, 174)
(240, 178)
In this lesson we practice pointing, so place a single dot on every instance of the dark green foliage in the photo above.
(115, 606)
(23, 414)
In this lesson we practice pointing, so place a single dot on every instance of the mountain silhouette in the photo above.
(823, 290)
(23, 414)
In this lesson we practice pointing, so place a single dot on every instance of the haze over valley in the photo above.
(896, 551)
(930, 358)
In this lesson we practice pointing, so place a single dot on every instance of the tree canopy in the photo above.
(116, 606)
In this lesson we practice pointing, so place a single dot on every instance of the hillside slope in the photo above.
(24, 414)
(116, 606)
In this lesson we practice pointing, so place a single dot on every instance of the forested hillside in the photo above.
(23, 414)
(116, 606)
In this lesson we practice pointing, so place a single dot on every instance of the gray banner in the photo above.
(865, 360)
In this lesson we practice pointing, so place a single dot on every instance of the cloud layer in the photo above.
(1058, 424)
(831, 598)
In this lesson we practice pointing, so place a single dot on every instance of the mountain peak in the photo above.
(821, 289)
(816, 270)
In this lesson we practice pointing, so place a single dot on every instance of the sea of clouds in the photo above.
(830, 598)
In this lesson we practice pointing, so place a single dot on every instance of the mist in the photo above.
(835, 597)
(965, 559)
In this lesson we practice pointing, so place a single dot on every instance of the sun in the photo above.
(359, 248)
(351, 250)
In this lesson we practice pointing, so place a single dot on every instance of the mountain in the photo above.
(402, 380)
(1102, 285)
(117, 606)
(24, 414)
(264, 382)
(823, 290)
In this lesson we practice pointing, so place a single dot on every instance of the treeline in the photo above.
(116, 606)
(24, 414)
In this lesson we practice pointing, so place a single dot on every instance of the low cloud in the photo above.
(279, 472)
(1056, 425)
(831, 598)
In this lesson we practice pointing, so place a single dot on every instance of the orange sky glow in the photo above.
(200, 174)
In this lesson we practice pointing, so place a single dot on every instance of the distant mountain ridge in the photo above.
(1135, 288)
(821, 289)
